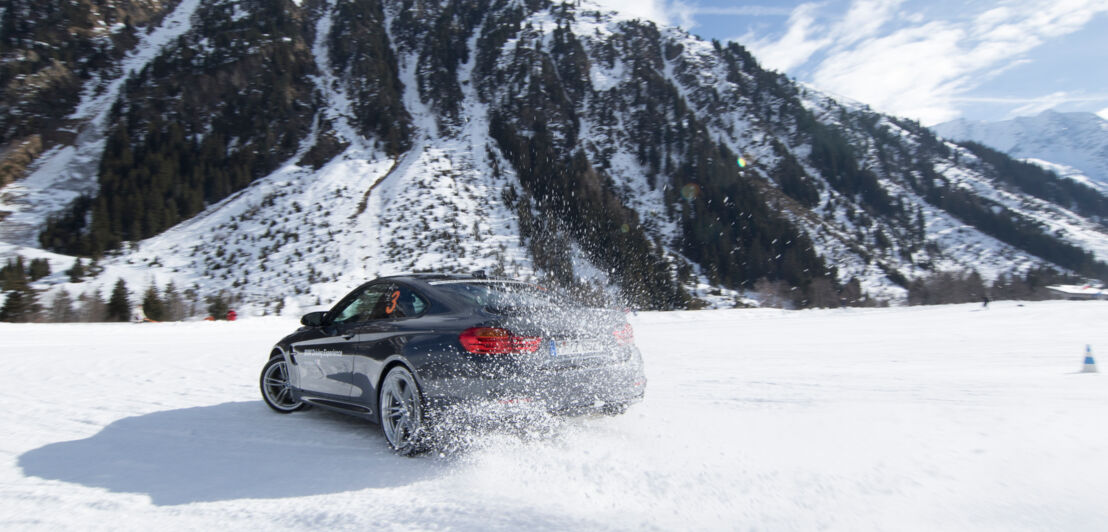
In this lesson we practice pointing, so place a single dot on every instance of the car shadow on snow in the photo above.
(230, 451)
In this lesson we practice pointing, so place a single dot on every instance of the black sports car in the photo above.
(401, 350)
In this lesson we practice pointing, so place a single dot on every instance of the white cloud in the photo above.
(876, 54)
(863, 20)
(682, 14)
(807, 33)
(655, 10)
(796, 46)
(750, 11)
(1038, 104)
(899, 73)
(1041, 104)
(1103, 113)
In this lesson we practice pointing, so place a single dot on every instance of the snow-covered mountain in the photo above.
(280, 149)
(1073, 145)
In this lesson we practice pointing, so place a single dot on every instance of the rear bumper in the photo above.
(559, 390)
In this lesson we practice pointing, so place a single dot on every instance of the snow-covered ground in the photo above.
(922, 418)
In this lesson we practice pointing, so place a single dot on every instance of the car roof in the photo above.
(427, 283)
(436, 278)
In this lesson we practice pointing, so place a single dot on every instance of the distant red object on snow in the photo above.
(231, 315)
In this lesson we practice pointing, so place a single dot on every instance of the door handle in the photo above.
(348, 336)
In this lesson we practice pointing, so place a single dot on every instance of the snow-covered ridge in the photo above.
(1070, 172)
(1078, 141)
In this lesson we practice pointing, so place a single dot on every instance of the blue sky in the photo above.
(928, 60)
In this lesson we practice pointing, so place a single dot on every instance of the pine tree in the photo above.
(92, 308)
(61, 308)
(218, 307)
(76, 272)
(12, 309)
(119, 304)
(152, 305)
(21, 305)
(174, 303)
(821, 294)
(39, 268)
(13, 275)
(851, 294)
(192, 300)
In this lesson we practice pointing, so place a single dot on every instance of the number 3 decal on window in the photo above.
(392, 302)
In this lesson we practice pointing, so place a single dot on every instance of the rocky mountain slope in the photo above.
(285, 151)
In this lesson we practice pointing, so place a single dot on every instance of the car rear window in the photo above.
(501, 294)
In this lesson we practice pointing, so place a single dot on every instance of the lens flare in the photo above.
(742, 162)
(690, 191)
(625, 228)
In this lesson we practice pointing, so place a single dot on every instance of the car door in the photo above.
(383, 336)
(325, 364)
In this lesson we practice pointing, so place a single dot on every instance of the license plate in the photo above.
(570, 348)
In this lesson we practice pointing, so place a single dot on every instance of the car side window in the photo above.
(382, 302)
(368, 305)
(404, 303)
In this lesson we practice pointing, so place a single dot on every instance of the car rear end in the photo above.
(540, 351)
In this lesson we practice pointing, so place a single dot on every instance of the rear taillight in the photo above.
(497, 341)
(625, 335)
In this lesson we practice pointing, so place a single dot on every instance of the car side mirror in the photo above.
(313, 319)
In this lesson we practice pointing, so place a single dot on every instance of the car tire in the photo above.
(276, 387)
(401, 411)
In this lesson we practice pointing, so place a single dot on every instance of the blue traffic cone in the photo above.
(1090, 364)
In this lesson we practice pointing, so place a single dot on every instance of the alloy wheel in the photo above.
(276, 387)
(401, 411)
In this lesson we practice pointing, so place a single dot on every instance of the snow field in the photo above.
(922, 418)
